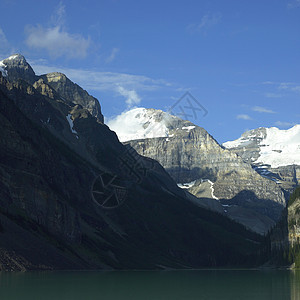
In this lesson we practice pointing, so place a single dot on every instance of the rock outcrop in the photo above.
(294, 218)
(73, 93)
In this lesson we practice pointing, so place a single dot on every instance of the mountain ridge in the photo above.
(53, 166)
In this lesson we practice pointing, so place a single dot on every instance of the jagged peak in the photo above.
(17, 56)
(16, 60)
(72, 92)
(16, 67)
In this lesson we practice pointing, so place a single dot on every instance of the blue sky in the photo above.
(239, 59)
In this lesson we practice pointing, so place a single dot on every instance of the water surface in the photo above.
(156, 285)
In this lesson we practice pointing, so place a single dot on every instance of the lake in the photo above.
(165, 285)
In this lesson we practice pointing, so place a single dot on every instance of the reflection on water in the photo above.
(206, 284)
(295, 285)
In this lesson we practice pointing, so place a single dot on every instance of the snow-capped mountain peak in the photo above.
(15, 67)
(141, 123)
(276, 147)
(17, 58)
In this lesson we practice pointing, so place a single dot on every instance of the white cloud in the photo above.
(131, 96)
(5, 47)
(58, 18)
(296, 88)
(207, 21)
(261, 109)
(104, 81)
(273, 95)
(3, 39)
(55, 39)
(285, 85)
(268, 82)
(282, 86)
(243, 117)
(294, 4)
(127, 85)
(284, 124)
(289, 86)
(57, 42)
(112, 56)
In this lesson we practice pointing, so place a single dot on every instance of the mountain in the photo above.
(18, 68)
(73, 197)
(216, 177)
(73, 93)
(274, 153)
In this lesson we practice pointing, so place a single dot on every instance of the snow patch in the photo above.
(2, 69)
(240, 142)
(188, 128)
(12, 57)
(212, 190)
(70, 121)
(247, 138)
(186, 185)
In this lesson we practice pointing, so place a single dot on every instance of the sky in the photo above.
(237, 59)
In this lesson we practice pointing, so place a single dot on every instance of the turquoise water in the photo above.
(166, 285)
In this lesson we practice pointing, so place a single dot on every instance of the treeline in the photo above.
(295, 195)
(276, 249)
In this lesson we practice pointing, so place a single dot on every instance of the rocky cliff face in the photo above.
(17, 68)
(73, 93)
(73, 197)
(198, 163)
(294, 219)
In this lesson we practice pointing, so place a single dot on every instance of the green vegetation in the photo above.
(294, 255)
(291, 254)
(295, 195)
